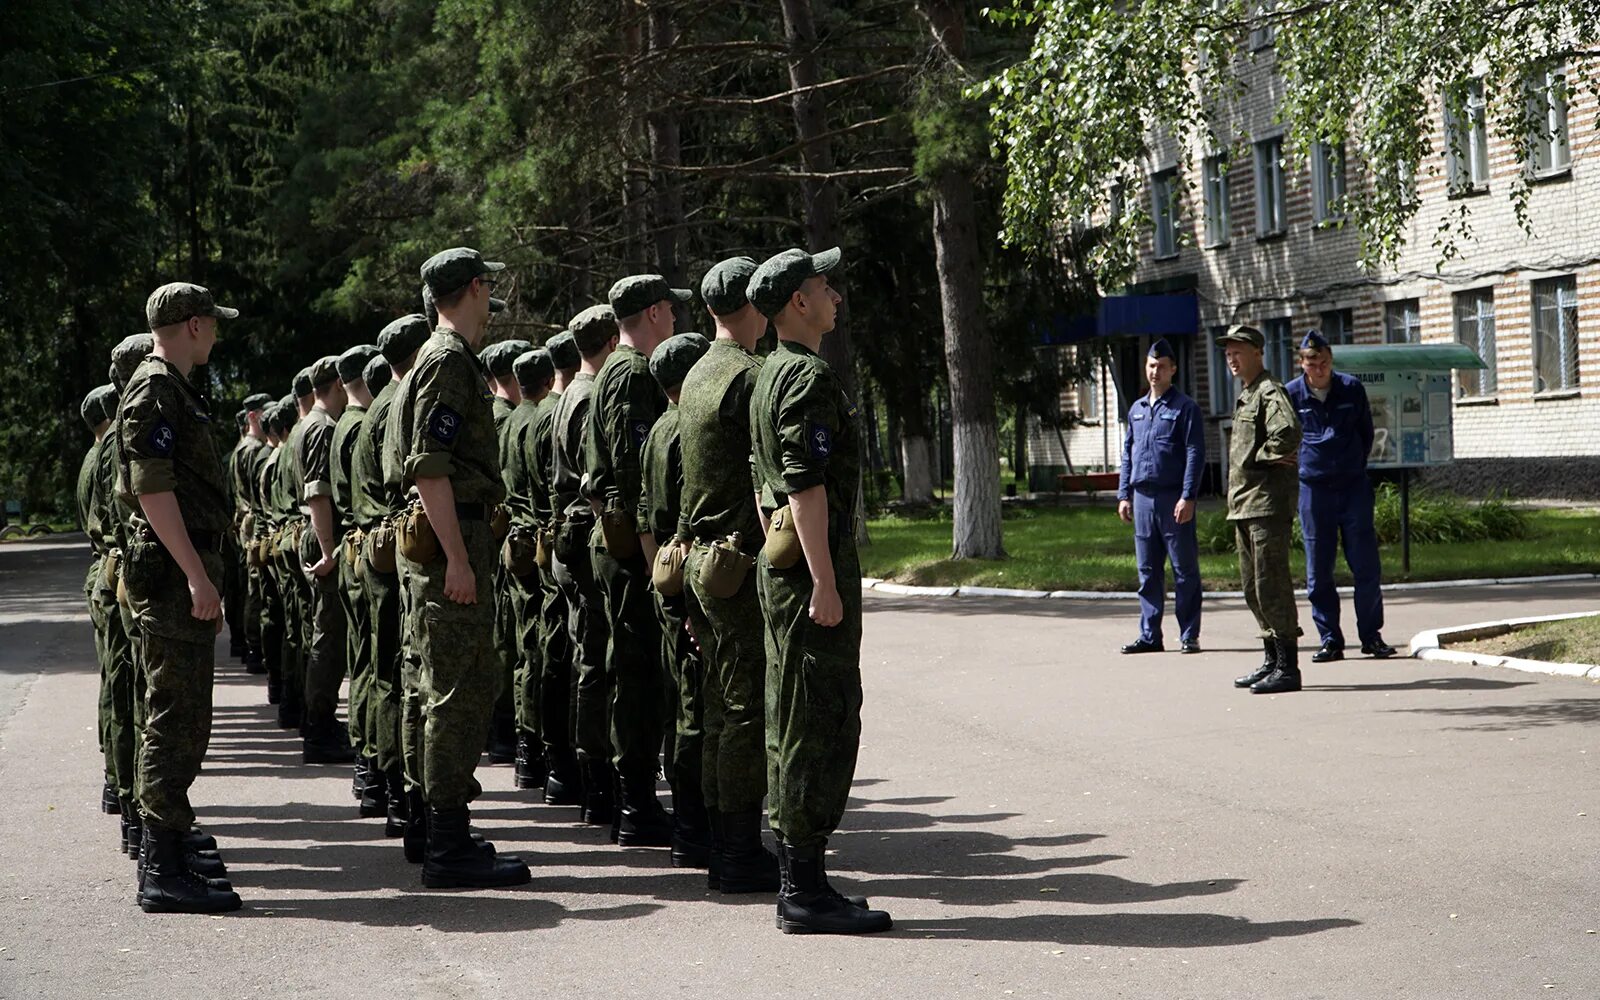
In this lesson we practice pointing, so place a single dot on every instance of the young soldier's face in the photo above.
(822, 302)
(1159, 373)
(1318, 366)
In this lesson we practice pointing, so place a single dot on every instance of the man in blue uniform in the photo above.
(1162, 455)
(1336, 497)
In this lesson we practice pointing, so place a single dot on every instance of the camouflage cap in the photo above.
(780, 276)
(176, 302)
(93, 408)
(563, 351)
(325, 371)
(110, 399)
(257, 401)
(1240, 333)
(354, 361)
(533, 368)
(279, 417)
(448, 270)
(125, 357)
(638, 292)
(302, 384)
(376, 374)
(401, 338)
(591, 328)
(673, 357)
(725, 286)
(499, 357)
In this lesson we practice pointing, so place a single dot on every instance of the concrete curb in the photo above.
(904, 590)
(1429, 645)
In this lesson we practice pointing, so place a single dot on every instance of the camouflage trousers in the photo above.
(813, 699)
(270, 628)
(381, 727)
(233, 588)
(252, 608)
(505, 643)
(411, 694)
(733, 646)
(588, 637)
(685, 736)
(357, 651)
(295, 591)
(118, 681)
(177, 727)
(1263, 544)
(325, 668)
(633, 661)
(524, 595)
(557, 693)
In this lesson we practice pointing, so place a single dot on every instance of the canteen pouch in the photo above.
(517, 554)
(616, 525)
(247, 525)
(572, 542)
(252, 553)
(146, 564)
(414, 536)
(783, 541)
(724, 568)
(352, 547)
(380, 546)
(110, 570)
(544, 541)
(500, 521)
(666, 574)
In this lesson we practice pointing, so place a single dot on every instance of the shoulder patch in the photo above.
(444, 424)
(162, 438)
(821, 440)
(641, 431)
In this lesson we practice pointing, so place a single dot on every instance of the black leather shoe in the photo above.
(326, 742)
(1378, 649)
(1191, 646)
(414, 839)
(1268, 665)
(1143, 645)
(1328, 653)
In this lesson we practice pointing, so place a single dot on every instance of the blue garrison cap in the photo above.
(1162, 349)
(1314, 341)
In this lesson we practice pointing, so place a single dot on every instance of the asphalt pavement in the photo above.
(1042, 816)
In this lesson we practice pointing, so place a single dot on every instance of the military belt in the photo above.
(474, 511)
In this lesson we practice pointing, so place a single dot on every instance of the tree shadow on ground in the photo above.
(1504, 718)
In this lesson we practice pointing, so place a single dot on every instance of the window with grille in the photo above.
(1269, 186)
(1327, 181)
(1475, 329)
(1547, 119)
(1555, 334)
(1466, 138)
(1402, 322)
(1338, 326)
(1216, 198)
(1164, 212)
(1279, 350)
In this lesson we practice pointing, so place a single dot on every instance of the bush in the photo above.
(1435, 518)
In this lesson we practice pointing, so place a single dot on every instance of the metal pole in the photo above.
(1405, 521)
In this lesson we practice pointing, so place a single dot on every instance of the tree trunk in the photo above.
(666, 150)
(635, 176)
(916, 457)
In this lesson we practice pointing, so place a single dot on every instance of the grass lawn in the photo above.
(1088, 548)
(1576, 640)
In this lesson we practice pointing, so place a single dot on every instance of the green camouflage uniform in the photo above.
(574, 568)
(98, 549)
(1262, 498)
(553, 700)
(373, 502)
(325, 667)
(274, 610)
(110, 519)
(522, 593)
(352, 589)
(505, 601)
(233, 594)
(241, 471)
(292, 582)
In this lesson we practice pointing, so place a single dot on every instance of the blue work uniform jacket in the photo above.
(1336, 433)
(1165, 447)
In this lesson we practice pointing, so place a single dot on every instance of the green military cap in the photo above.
(533, 368)
(377, 374)
(354, 361)
(448, 270)
(324, 371)
(401, 338)
(563, 351)
(591, 328)
(673, 357)
(430, 309)
(125, 357)
(257, 401)
(779, 277)
(499, 357)
(724, 288)
(1240, 333)
(302, 384)
(93, 409)
(283, 416)
(176, 302)
(638, 292)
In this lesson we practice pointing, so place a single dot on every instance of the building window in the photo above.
(1466, 138)
(1327, 181)
(1555, 334)
(1279, 350)
(1222, 397)
(1089, 408)
(1338, 326)
(1164, 211)
(1269, 186)
(1402, 322)
(1265, 32)
(1475, 328)
(1547, 119)
(1216, 198)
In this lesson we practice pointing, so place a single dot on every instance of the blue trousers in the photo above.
(1327, 515)
(1157, 537)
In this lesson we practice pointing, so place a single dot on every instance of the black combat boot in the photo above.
(275, 691)
(133, 843)
(691, 827)
(197, 840)
(714, 862)
(109, 803)
(253, 664)
(598, 808)
(532, 769)
(616, 814)
(326, 742)
(642, 821)
(807, 904)
(394, 822)
(1285, 678)
(502, 745)
(168, 883)
(375, 793)
(290, 711)
(561, 784)
(746, 865)
(414, 841)
(358, 781)
(1268, 664)
(455, 860)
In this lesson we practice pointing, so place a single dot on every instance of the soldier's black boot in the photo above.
(642, 821)
(414, 840)
(358, 781)
(275, 690)
(691, 828)
(532, 769)
(503, 739)
(746, 865)
(290, 712)
(454, 860)
(561, 784)
(326, 742)
(375, 793)
(714, 862)
(807, 904)
(394, 823)
(1285, 678)
(168, 884)
(109, 803)
(198, 841)
(133, 842)
(1269, 663)
(616, 796)
(253, 664)
(598, 807)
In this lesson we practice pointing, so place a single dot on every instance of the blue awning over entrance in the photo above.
(1128, 316)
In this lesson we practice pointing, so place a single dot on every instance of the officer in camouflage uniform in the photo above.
(448, 452)
(661, 466)
(246, 462)
(371, 790)
(594, 332)
(534, 373)
(1263, 492)
(719, 503)
(626, 404)
(807, 460)
(172, 480)
(554, 698)
(93, 411)
(498, 359)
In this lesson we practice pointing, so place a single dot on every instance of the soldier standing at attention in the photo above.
(277, 422)
(499, 358)
(1163, 455)
(247, 460)
(93, 411)
(627, 403)
(370, 789)
(807, 463)
(173, 481)
(288, 496)
(1336, 498)
(448, 451)
(720, 506)
(1262, 457)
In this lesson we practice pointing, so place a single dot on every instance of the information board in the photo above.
(1411, 417)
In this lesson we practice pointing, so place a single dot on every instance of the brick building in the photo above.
(1256, 238)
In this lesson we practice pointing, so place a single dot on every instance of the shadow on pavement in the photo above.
(452, 913)
(1503, 718)
(1424, 684)
(1124, 930)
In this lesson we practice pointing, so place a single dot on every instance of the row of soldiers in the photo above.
(630, 545)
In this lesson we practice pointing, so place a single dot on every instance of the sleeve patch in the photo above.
(444, 424)
(821, 440)
(641, 431)
(162, 439)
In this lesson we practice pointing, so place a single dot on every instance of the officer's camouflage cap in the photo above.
(591, 328)
(97, 404)
(638, 292)
(176, 302)
(376, 374)
(125, 357)
(401, 338)
(448, 270)
(1239, 333)
(500, 357)
(780, 276)
(302, 384)
(257, 401)
(563, 351)
(354, 361)
(673, 357)
(725, 287)
(533, 368)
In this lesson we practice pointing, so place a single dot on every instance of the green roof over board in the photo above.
(1404, 357)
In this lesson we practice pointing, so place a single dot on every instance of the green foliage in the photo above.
(1436, 518)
